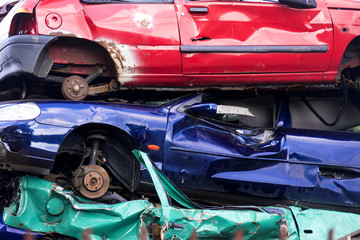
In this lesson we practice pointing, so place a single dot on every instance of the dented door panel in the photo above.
(324, 163)
(330, 148)
(254, 37)
(216, 159)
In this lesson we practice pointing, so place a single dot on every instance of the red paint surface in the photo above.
(152, 34)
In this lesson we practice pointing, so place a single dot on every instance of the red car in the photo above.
(177, 44)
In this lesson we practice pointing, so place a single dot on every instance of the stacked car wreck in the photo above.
(164, 44)
(256, 100)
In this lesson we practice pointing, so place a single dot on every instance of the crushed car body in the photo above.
(46, 207)
(269, 146)
(96, 47)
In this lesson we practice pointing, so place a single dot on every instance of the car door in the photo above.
(325, 160)
(236, 150)
(246, 37)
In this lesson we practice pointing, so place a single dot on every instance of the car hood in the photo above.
(349, 4)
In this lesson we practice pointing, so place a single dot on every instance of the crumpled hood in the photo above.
(350, 4)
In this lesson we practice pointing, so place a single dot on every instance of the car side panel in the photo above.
(123, 23)
(346, 28)
(142, 38)
(325, 166)
(252, 37)
(331, 148)
(201, 156)
(145, 125)
(34, 144)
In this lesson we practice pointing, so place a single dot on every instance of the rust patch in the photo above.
(117, 57)
(21, 224)
(145, 23)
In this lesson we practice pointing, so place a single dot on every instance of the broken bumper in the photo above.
(25, 54)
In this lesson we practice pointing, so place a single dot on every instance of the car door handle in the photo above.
(199, 10)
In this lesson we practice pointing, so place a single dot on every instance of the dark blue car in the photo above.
(298, 146)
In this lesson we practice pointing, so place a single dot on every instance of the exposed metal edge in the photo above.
(254, 49)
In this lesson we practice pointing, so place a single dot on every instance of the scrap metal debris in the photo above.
(46, 207)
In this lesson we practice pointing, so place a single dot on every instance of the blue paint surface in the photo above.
(197, 153)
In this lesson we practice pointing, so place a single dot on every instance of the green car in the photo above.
(46, 207)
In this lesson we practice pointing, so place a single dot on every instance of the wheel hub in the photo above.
(92, 181)
(75, 88)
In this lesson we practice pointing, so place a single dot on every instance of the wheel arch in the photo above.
(125, 169)
(82, 56)
(351, 55)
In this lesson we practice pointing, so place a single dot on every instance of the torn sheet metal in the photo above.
(45, 207)
(209, 224)
(33, 210)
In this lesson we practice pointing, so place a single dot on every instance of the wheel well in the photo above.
(350, 61)
(79, 56)
(116, 153)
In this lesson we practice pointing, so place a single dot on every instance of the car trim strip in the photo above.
(254, 49)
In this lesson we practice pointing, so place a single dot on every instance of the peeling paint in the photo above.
(122, 56)
(64, 34)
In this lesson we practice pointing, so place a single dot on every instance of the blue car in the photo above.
(272, 146)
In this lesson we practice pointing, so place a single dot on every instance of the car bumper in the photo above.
(25, 54)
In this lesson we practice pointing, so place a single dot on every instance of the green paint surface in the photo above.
(35, 209)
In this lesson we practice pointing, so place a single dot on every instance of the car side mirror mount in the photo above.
(202, 109)
(299, 3)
